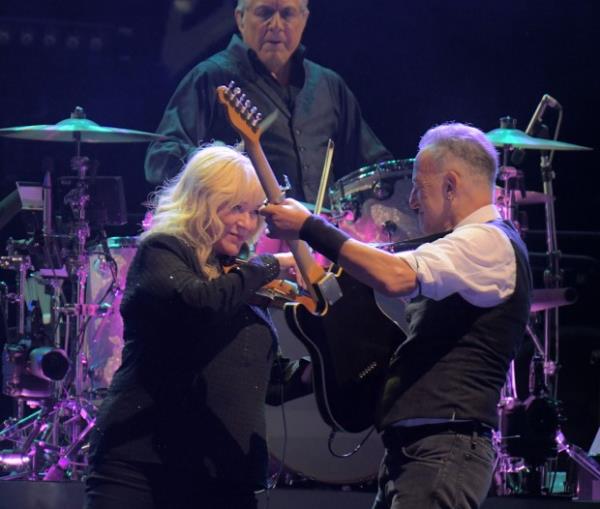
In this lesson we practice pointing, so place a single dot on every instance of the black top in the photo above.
(196, 366)
(315, 107)
(456, 355)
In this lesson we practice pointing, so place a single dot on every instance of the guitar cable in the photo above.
(274, 479)
(353, 451)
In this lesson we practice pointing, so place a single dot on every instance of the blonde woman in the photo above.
(183, 424)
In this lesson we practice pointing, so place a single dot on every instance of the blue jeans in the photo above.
(447, 469)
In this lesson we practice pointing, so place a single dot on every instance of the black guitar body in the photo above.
(350, 347)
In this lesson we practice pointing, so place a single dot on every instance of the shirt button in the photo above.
(298, 132)
(302, 149)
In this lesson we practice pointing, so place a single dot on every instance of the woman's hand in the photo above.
(288, 268)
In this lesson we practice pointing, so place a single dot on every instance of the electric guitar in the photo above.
(349, 339)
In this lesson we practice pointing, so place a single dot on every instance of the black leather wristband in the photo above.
(323, 237)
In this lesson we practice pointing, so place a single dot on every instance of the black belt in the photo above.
(401, 435)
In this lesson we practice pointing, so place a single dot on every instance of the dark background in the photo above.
(411, 65)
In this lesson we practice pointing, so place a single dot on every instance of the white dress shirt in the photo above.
(476, 260)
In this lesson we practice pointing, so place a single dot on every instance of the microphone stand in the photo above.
(553, 279)
(552, 275)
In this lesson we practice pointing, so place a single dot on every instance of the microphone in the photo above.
(546, 101)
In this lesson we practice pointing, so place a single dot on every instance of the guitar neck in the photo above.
(311, 271)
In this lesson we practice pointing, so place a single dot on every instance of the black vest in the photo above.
(456, 355)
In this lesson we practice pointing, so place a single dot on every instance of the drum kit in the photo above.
(61, 356)
(529, 437)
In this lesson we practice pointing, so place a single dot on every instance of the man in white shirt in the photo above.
(470, 298)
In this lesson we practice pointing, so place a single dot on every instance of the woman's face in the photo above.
(240, 222)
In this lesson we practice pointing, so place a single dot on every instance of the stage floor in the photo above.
(69, 495)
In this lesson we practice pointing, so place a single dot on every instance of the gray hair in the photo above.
(464, 142)
(241, 5)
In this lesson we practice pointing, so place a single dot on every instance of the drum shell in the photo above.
(104, 334)
(372, 203)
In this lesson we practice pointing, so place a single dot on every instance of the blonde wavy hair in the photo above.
(187, 206)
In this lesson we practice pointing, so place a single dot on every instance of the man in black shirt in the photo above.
(268, 63)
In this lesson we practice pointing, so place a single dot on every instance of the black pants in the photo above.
(115, 484)
(435, 467)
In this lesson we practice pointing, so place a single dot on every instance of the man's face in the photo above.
(273, 29)
(429, 195)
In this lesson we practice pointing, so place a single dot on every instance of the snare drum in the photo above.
(371, 204)
(104, 334)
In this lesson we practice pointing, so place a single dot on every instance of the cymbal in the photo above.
(515, 138)
(79, 130)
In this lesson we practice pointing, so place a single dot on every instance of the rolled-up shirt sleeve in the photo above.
(476, 260)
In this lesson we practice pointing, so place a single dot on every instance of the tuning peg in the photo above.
(239, 102)
(251, 112)
(257, 119)
(246, 106)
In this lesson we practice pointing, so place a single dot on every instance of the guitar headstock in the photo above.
(243, 115)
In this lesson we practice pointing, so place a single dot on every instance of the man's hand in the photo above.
(285, 220)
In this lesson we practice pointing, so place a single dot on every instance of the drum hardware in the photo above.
(40, 377)
(389, 228)
(27, 371)
(512, 195)
(350, 210)
(382, 190)
(529, 438)
(54, 441)
(50, 441)
(20, 264)
(87, 310)
(47, 441)
(4, 301)
(543, 299)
